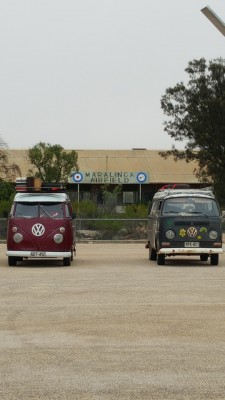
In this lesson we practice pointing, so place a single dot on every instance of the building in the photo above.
(138, 172)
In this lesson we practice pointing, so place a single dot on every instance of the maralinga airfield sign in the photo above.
(107, 177)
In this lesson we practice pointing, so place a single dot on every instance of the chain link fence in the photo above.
(3, 229)
(98, 230)
(102, 229)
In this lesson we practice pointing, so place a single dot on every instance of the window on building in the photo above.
(128, 197)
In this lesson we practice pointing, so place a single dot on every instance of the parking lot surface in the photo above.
(112, 326)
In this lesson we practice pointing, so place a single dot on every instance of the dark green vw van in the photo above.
(184, 222)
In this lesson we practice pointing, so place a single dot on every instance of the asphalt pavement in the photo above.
(112, 326)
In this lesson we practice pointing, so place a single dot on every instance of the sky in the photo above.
(90, 74)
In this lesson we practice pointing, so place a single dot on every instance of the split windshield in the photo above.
(35, 210)
(187, 205)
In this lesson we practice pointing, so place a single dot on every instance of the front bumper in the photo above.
(189, 251)
(38, 254)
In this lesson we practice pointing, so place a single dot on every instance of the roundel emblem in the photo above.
(77, 177)
(38, 229)
(192, 232)
(141, 177)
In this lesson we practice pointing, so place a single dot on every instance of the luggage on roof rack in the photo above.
(32, 184)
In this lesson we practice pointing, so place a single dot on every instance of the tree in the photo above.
(8, 172)
(196, 115)
(110, 198)
(53, 163)
(7, 189)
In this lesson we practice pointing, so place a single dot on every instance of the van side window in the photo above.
(68, 213)
(154, 208)
(159, 205)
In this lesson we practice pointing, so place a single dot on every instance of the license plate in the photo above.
(191, 244)
(38, 254)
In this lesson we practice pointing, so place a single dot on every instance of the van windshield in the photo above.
(42, 210)
(187, 205)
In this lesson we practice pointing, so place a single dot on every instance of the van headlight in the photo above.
(170, 234)
(58, 238)
(213, 235)
(17, 238)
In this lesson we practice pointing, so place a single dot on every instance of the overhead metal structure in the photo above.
(214, 19)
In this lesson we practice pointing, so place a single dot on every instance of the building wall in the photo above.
(108, 168)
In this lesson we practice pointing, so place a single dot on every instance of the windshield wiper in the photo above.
(45, 212)
(20, 214)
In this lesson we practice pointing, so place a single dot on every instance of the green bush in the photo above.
(5, 206)
(89, 209)
(136, 211)
(85, 209)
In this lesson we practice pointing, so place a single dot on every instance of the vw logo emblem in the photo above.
(192, 232)
(38, 229)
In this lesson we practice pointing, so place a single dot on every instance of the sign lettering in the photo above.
(113, 177)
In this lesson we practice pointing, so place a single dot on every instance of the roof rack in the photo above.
(161, 194)
(32, 184)
(175, 186)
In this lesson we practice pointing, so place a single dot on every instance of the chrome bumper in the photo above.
(38, 254)
(190, 250)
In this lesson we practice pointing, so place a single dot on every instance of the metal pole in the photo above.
(214, 19)
(78, 196)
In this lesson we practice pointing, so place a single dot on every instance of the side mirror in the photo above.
(223, 215)
(74, 215)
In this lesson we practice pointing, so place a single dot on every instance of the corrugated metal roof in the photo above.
(159, 169)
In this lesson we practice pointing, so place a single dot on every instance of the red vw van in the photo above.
(41, 225)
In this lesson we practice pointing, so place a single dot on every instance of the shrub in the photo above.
(85, 209)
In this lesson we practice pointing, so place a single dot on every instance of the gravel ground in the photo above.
(112, 326)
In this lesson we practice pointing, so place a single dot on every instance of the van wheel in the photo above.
(67, 261)
(204, 257)
(161, 259)
(152, 254)
(12, 261)
(214, 259)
